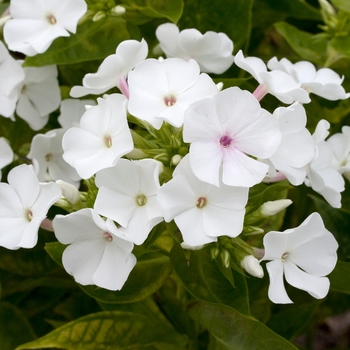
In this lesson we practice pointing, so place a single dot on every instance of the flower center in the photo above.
(51, 19)
(24, 88)
(201, 202)
(108, 141)
(169, 100)
(225, 141)
(141, 200)
(48, 157)
(107, 236)
(29, 215)
(284, 256)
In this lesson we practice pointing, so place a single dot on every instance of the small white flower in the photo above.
(96, 254)
(39, 95)
(101, 139)
(36, 24)
(161, 91)
(114, 70)
(202, 211)
(224, 130)
(304, 255)
(278, 83)
(128, 195)
(212, 51)
(46, 151)
(24, 203)
(323, 82)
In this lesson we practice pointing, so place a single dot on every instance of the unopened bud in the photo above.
(190, 247)
(118, 10)
(98, 16)
(251, 264)
(225, 257)
(4, 19)
(69, 192)
(220, 85)
(175, 160)
(273, 207)
(214, 252)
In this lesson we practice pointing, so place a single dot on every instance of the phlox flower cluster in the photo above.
(169, 147)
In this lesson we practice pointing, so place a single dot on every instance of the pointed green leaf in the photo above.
(235, 331)
(93, 40)
(111, 330)
(304, 44)
(15, 328)
(202, 277)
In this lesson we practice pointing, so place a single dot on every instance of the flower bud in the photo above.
(220, 85)
(225, 257)
(175, 160)
(271, 208)
(252, 266)
(69, 191)
(118, 10)
(98, 16)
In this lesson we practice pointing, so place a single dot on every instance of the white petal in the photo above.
(318, 287)
(277, 292)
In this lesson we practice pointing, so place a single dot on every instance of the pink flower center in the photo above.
(107, 236)
(201, 202)
(108, 141)
(29, 215)
(169, 100)
(225, 141)
(51, 19)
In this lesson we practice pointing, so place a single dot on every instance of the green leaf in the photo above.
(15, 328)
(231, 18)
(170, 9)
(202, 277)
(341, 45)
(339, 278)
(291, 320)
(304, 44)
(93, 40)
(236, 331)
(111, 330)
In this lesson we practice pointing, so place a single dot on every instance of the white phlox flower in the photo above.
(24, 203)
(202, 211)
(72, 110)
(224, 131)
(12, 75)
(6, 153)
(278, 83)
(114, 70)
(161, 91)
(321, 175)
(297, 146)
(304, 255)
(96, 254)
(323, 82)
(36, 24)
(101, 139)
(340, 145)
(46, 150)
(39, 95)
(128, 195)
(212, 51)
